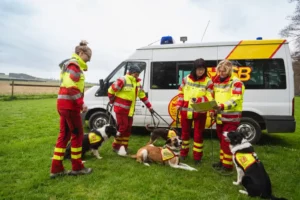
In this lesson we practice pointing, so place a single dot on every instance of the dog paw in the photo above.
(99, 158)
(147, 164)
(243, 192)
(235, 183)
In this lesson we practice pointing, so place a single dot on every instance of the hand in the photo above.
(178, 108)
(212, 114)
(151, 110)
(84, 108)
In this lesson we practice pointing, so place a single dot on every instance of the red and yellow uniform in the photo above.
(229, 96)
(123, 94)
(201, 90)
(69, 105)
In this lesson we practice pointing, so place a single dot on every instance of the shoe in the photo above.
(62, 173)
(197, 162)
(217, 166)
(225, 169)
(182, 158)
(83, 171)
(115, 150)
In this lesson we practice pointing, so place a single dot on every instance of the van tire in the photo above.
(98, 119)
(251, 128)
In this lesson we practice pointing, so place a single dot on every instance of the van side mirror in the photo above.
(101, 82)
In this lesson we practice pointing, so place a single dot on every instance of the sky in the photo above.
(36, 35)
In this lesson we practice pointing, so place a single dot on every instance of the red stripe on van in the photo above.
(277, 49)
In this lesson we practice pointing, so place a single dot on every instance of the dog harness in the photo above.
(95, 137)
(245, 160)
(167, 154)
(171, 134)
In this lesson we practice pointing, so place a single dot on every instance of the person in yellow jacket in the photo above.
(228, 93)
(196, 87)
(122, 94)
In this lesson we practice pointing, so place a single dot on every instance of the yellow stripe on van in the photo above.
(255, 49)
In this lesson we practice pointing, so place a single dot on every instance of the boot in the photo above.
(62, 173)
(217, 166)
(81, 172)
(197, 162)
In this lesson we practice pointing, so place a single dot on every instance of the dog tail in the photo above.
(275, 198)
(149, 129)
(133, 156)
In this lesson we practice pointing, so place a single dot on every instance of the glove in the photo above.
(151, 110)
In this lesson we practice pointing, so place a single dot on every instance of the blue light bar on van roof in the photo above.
(259, 38)
(166, 40)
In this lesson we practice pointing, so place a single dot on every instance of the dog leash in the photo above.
(108, 111)
(157, 116)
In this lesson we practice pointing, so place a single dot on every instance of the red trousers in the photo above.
(199, 126)
(225, 153)
(124, 127)
(70, 128)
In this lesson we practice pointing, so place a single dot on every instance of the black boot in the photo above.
(197, 162)
(217, 166)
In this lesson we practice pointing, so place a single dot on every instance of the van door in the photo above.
(165, 79)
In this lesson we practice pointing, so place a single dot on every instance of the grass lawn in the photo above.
(28, 132)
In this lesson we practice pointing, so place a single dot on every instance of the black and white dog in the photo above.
(250, 170)
(94, 139)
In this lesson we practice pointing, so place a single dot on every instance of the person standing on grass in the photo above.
(228, 93)
(69, 104)
(195, 88)
(122, 94)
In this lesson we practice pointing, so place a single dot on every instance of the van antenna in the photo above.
(153, 42)
(205, 30)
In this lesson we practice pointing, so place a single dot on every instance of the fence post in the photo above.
(12, 89)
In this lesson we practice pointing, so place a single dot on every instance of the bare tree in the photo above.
(293, 29)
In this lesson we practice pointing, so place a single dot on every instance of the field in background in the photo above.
(29, 131)
(30, 87)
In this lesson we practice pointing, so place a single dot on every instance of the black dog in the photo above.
(93, 140)
(163, 133)
(250, 170)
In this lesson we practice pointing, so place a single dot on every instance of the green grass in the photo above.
(28, 132)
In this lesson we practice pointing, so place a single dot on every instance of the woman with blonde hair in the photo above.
(69, 105)
(228, 92)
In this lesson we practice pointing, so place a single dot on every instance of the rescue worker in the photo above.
(122, 94)
(228, 93)
(196, 87)
(69, 104)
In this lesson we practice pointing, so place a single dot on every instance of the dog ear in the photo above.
(169, 141)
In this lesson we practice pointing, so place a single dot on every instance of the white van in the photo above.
(265, 67)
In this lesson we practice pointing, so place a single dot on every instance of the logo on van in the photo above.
(243, 73)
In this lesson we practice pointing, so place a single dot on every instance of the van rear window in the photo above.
(255, 73)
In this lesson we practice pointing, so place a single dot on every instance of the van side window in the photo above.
(163, 75)
(262, 73)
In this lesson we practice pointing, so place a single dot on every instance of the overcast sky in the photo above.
(35, 35)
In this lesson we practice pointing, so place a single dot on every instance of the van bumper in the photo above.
(280, 124)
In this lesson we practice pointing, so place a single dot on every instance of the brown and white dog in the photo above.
(163, 133)
(164, 155)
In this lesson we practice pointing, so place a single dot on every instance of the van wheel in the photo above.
(250, 128)
(98, 119)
